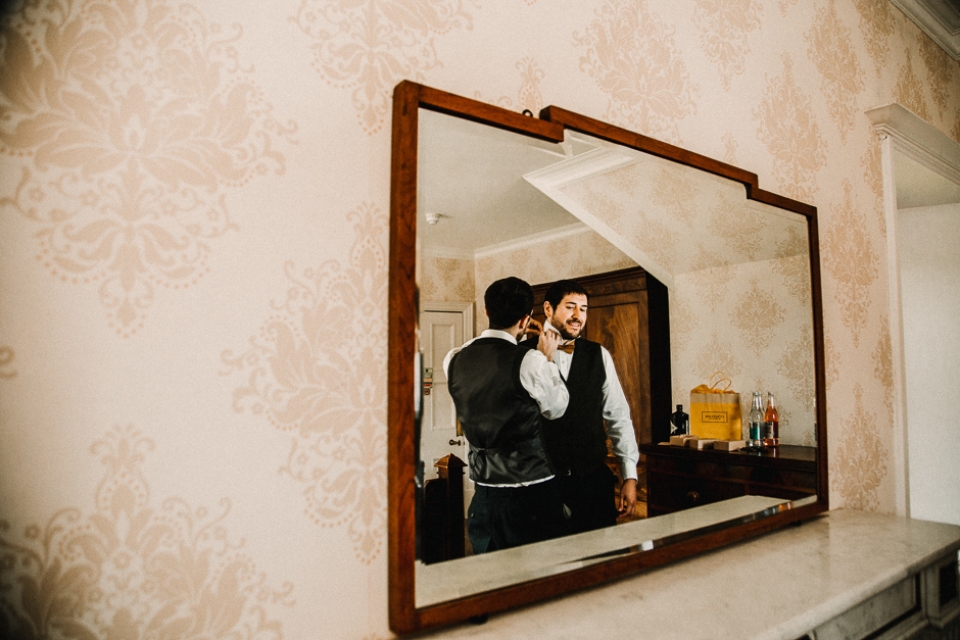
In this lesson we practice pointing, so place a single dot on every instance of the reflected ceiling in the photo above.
(489, 203)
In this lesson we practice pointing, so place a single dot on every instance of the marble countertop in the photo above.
(777, 586)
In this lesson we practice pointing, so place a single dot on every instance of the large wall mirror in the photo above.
(693, 269)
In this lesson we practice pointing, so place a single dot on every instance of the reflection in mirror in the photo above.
(737, 270)
(740, 295)
(498, 204)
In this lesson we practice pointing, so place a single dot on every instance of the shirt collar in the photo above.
(549, 327)
(497, 333)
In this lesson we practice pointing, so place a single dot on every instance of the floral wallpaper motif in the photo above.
(909, 89)
(882, 357)
(939, 69)
(684, 323)
(877, 25)
(717, 355)
(447, 280)
(831, 357)
(712, 285)
(873, 177)
(730, 148)
(673, 191)
(315, 371)
(724, 26)
(793, 265)
(368, 47)
(633, 57)
(841, 78)
(796, 365)
(131, 120)
(851, 260)
(531, 74)
(528, 97)
(785, 6)
(727, 219)
(789, 130)
(757, 316)
(860, 464)
(132, 567)
(7, 356)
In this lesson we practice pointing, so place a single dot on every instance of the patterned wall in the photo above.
(739, 280)
(193, 228)
(447, 279)
(750, 321)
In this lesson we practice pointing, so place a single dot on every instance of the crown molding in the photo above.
(939, 19)
(917, 139)
(533, 239)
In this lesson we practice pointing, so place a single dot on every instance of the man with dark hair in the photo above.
(577, 442)
(500, 391)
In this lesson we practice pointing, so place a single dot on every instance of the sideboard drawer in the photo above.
(896, 604)
(679, 478)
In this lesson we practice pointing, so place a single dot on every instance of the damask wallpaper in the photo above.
(193, 245)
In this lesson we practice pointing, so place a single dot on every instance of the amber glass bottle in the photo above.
(771, 423)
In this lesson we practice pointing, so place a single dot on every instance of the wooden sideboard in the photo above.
(680, 478)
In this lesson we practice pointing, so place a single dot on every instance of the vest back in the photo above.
(499, 418)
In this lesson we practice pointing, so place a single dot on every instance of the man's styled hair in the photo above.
(507, 302)
(562, 288)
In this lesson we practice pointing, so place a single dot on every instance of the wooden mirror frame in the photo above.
(402, 454)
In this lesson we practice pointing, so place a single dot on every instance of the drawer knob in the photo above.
(693, 497)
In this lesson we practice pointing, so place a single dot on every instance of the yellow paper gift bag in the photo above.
(715, 410)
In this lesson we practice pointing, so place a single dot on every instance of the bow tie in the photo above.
(568, 347)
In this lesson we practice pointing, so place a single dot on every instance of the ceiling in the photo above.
(471, 183)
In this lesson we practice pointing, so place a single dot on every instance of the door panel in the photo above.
(440, 331)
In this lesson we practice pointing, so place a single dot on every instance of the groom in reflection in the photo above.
(577, 442)
(503, 393)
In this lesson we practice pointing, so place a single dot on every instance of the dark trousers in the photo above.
(590, 497)
(504, 517)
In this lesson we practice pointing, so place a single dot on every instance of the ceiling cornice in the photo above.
(939, 19)
(918, 139)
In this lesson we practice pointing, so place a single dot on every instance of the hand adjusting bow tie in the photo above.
(567, 347)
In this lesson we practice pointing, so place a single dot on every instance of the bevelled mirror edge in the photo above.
(404, 616)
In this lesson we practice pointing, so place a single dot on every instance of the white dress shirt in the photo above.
(616, 411)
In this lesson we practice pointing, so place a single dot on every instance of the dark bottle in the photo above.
(755, 422)
(679, 422)
(771, 423)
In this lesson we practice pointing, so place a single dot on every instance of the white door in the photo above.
(443, 326)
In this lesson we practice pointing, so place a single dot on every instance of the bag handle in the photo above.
(717, 379)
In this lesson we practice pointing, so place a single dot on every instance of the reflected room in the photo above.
(686, 277)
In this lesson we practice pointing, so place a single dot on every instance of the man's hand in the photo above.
(628, 496)
(533, 329)
(548, 343)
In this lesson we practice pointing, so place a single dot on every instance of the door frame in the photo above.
(901, 131)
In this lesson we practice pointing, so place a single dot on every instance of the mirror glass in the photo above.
(493, 203)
